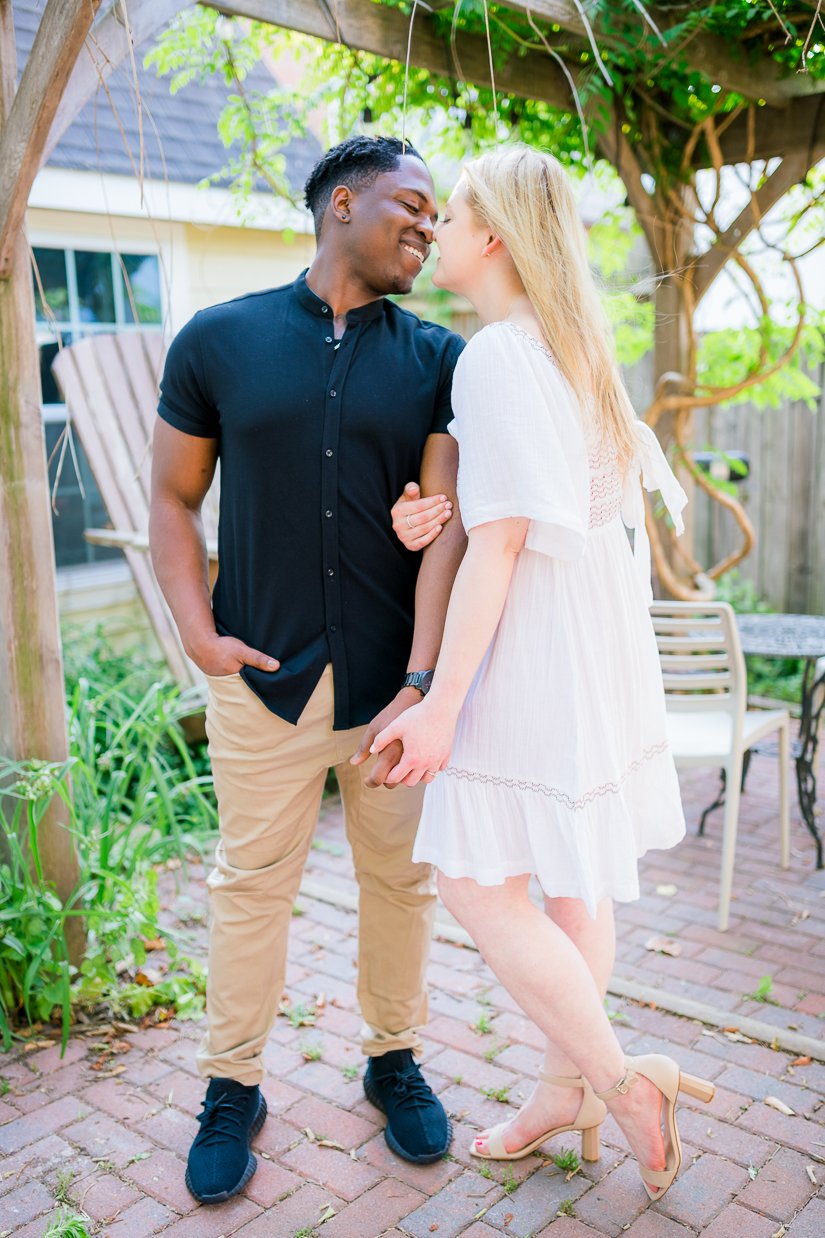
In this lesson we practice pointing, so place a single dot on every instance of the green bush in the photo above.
(135, 797)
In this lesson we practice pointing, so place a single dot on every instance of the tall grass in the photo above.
(135, 796)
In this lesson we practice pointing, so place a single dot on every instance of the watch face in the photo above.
(426, 681)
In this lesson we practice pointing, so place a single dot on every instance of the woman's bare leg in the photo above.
(548, 976)
(595, 939)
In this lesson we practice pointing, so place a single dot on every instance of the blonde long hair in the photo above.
(524, 196)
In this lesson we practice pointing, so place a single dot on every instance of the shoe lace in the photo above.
(410, 1089)
(221, 1118)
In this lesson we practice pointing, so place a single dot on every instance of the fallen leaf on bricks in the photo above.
(667, 890)
(330, 1143)
(801, 1061)
(326, 1213)
(752, 1172)
(776, 1103)
(310, 1134)
(779, 1233)
(809, 1170)
(739, 1038)
(664, 945)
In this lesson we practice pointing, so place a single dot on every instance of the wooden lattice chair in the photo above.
(110, 386)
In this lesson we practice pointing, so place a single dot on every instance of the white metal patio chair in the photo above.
(708, 720)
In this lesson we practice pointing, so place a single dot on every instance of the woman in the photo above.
(543, 733)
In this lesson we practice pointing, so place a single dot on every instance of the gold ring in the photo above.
(409, 522)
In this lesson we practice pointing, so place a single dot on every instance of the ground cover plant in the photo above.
(137, 797)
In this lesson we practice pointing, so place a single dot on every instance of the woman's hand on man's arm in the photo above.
(416, 521)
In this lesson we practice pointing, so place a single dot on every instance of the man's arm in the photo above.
(183, 466)
(440, 562)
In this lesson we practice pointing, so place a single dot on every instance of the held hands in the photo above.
(389, 758)
(426, 732)
(224, 655)
(416, 521)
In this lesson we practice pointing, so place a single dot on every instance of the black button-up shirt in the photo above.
(316, 438)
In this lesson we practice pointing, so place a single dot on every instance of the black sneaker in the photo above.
(220, 1163)
(417, 1128)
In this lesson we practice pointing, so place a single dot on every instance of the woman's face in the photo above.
(461, 238)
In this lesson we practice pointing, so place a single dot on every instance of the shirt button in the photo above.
(333, 394)
(328, 515)
(328, 339)
(330, 571)
(328, 452)
(324, 309)
(332, 628)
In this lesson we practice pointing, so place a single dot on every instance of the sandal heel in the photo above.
(591, 1144)
(700, 1088)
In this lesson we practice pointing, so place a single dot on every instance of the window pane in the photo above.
(143, 280)
(74, 513)
(51, 263)
(94, 287)
(48, 352)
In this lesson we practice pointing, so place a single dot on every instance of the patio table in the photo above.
(796, 636)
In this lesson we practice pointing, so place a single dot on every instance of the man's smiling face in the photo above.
(391, 227)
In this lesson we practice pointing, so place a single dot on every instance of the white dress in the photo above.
(560, 764)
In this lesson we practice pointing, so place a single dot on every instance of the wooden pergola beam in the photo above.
(60, 36)
(708, 54)
(384, 32)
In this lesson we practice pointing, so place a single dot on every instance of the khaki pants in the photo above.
(269, 777)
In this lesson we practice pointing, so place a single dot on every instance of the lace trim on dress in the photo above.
(518, 784)
(531, 339)
(606, 485)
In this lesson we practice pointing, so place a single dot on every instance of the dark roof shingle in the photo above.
(181, 139)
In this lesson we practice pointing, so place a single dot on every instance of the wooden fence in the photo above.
(784, 496)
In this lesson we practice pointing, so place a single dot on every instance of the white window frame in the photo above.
(71, 243)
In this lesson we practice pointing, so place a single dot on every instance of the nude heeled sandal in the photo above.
(588, 1119)
(665, 1075)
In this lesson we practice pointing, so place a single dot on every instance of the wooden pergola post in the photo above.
(32, 698)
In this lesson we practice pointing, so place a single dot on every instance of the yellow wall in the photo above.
(225, 262)
(200, 265)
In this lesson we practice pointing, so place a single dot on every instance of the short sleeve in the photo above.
(185, 402)
(521, 443)
(443, 414)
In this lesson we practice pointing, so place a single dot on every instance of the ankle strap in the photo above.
(622, 1087)
(562, 1081)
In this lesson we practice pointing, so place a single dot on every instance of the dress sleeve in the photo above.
(521, 444)
(650, 469)
(185, 402)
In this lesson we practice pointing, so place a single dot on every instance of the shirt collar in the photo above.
(313, 303)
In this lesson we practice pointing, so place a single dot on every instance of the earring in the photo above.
(345, 216)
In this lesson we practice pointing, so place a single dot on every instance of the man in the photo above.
(320, 398)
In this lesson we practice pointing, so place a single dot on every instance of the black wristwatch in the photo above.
(419, 679)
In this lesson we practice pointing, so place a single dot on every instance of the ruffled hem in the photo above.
(489, 831)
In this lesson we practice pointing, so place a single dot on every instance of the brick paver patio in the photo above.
(113, 1141)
